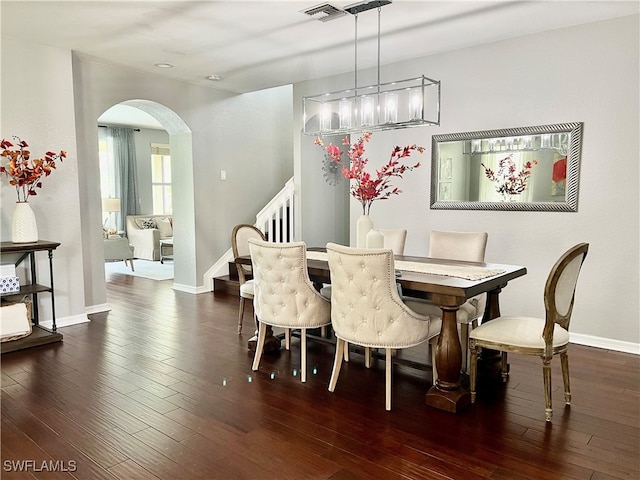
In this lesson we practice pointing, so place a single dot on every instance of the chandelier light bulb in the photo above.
(390, 107)
(325, 117)
(415, 105)
(367, 108)
(345, 114)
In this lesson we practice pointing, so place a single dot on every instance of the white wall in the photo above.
(38, 106)
(589, 74)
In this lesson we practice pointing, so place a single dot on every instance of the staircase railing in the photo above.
(276, 218)
(276, 222)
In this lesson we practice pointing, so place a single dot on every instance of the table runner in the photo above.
(459, 271)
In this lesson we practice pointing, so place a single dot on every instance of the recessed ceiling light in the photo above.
(164, 65)
(214, 78)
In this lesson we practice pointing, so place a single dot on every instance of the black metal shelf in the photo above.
(27, 290)
(19, 252)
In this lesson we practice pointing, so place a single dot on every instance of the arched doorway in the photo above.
(181, 154)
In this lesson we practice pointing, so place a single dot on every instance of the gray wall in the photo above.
(37, 105)
(589, 74)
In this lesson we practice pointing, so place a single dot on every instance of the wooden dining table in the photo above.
(448, 292)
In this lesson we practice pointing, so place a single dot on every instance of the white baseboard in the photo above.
(66, 321)
(203, 289)
(98, 308)
(189, 289)
(606, 343)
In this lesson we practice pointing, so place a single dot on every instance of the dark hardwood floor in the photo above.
(161, 387)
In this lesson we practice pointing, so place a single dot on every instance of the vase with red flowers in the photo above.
(25, 175)
(368, 187)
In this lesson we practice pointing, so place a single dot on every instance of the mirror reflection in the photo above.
(528, 168)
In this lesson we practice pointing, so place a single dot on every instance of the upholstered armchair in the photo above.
(536, 336)
(284, 295)
(367, 310)
(240, 236)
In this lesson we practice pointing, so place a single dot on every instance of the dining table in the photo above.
(448, 284)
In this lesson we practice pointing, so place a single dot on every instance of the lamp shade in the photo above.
(110, 204)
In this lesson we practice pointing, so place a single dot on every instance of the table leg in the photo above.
(271, 342)
(447, 394)
(492, 307)
(490, 361)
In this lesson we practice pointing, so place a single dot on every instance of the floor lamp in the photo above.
(111, 205)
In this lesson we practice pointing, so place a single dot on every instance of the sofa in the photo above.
(146, 231)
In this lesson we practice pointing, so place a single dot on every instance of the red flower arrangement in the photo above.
(24, 173)
(368, 188)
(508, 182)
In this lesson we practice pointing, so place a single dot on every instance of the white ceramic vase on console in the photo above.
(24, 228)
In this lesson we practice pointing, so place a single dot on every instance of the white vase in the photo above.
(363, 226)
(24, 228)
(375, 239)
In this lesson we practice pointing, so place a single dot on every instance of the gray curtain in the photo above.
(124, 153)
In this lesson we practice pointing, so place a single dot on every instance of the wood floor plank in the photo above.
(148, 415)
(148, 458)
(132, 471)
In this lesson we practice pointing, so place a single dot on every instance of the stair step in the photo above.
(227, 285)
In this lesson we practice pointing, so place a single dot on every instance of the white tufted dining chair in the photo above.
(460, 246)
(240, 236)
(367, 310)
(395, 239)
(284, 295)
(536, 336)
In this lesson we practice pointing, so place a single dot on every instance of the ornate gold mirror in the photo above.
(528, 168)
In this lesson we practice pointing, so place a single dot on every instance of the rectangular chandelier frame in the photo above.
(399, 104)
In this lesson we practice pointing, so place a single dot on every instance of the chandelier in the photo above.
(384, 106)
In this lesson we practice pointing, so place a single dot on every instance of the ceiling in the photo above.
(260, 44)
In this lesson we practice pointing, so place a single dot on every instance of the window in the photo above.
(107, 165)
(107, 178)
(161, 179)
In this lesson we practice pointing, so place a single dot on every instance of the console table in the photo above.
(18, 253)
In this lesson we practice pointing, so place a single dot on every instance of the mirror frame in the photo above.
(573, 169)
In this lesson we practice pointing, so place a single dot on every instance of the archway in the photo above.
(182, 182)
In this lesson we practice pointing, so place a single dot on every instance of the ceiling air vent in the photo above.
(324, 12)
